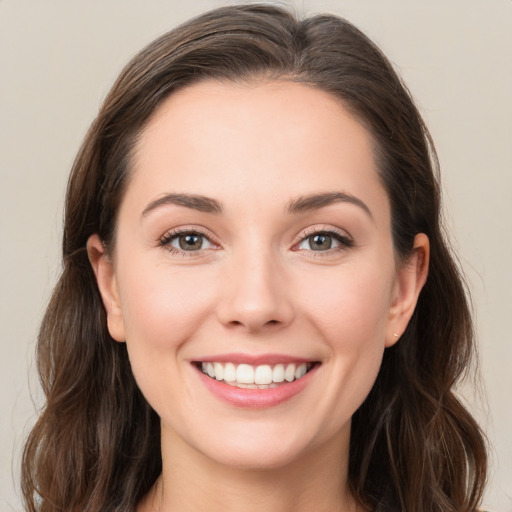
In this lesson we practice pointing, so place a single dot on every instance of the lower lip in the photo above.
(256, 398)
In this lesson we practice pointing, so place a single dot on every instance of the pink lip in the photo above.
(256, 398)
(253, 359)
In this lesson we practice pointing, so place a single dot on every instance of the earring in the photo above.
(395, 335)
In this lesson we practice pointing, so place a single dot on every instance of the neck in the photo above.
(190, 481)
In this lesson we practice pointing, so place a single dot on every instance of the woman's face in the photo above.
(254, 243)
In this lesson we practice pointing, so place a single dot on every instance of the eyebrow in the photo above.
(317, 201)
(200, 203)
(299, 205)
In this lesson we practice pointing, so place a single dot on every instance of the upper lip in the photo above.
(253, 359)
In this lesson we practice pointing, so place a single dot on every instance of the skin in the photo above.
(256, 286)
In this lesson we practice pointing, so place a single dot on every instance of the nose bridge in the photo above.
(256, 294)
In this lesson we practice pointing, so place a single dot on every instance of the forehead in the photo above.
(258, 140)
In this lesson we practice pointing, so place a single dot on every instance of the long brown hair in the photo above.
(96, 445)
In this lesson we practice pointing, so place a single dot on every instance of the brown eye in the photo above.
(188, 242)
(320, 242)
(324, 241)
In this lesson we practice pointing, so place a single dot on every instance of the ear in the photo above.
(107, 283)
(410, 279)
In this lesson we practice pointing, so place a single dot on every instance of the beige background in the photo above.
(57, 61)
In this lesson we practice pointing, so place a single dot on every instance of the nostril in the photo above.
(269, 323)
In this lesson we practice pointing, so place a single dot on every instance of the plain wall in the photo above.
(58, 59)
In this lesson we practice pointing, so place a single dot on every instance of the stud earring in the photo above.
(395, 335)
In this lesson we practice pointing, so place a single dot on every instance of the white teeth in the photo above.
(230, 372)
(300, 371)
(244, 374)
(278, 373)
(289, 373)
(263, 376)
(219, 371)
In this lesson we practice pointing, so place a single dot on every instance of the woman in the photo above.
(258, 309)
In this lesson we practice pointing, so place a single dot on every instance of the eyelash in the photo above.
(345, 241)
(170, 236)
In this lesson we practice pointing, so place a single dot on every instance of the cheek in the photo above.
(350, 306)
(163, 306)
(162, 309)
(349, 312)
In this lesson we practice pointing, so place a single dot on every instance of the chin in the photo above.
(266, 446)
(257, 457)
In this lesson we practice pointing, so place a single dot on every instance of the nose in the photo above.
(256, 294)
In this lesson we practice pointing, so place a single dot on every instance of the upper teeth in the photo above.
(257, 375)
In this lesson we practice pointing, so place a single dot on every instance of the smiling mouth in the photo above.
(247, 376)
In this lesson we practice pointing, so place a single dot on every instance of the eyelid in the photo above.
(344, 238)
(171, 234)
